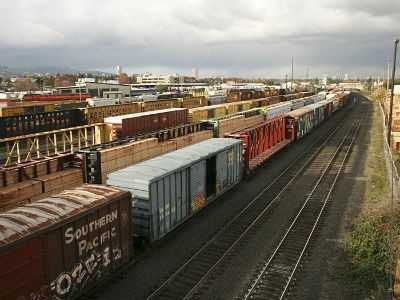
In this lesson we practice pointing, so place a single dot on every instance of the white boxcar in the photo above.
(168, 189)
(276, 110)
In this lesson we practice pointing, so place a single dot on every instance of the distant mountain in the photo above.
(19, 72)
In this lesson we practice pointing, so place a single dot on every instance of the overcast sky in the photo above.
(242, 38)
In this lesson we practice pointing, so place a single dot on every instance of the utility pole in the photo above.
(388, 80)
(291, 83)
(285, 82)
(396, 41)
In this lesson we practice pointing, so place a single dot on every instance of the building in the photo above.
(96, 89)
(149, 79)
(195, 73)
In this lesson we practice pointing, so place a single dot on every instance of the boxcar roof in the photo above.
(31, 218)
(140, 175)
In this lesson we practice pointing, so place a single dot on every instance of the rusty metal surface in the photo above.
(62, 246)
(22, 221)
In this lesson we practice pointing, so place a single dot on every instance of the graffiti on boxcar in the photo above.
(198, 201)
(84, 271)
(42, 294)
(69, 284)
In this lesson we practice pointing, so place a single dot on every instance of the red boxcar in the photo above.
(61, 246)
(146, 122)
(56, 97)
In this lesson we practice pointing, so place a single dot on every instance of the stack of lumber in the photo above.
(28, 182)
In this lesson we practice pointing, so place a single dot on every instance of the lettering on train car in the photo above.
(79, 234)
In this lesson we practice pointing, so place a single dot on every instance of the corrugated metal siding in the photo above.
(278, 109)
(222, 171)
(234, 164)
(319, 112)
(168, 188)
(170, 202)
(197, 186)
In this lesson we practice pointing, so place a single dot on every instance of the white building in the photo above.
(148, 78)
(195, 73)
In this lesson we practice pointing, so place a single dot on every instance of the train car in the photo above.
(161, 103)
(168, 189)
(232, 123)
(298, 123)
(278, 109)
(255, 103)
(95, 102)
(12, 111)
(61, 246)
(56, 97)
(308, 100)
(233, 96)
(173, 95)
(216, 99)
(261, 141)
(296, 103)
(328, 104)
(319, 113)
(32, 107)
(192, 102)
(198, 114)
(318, 97)
(69, 105)
(343, 98)
(18, 125)
(93, 115)
(289, 97)
(301, 121)
(145, 122)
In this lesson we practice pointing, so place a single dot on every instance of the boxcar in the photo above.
(168, 189)
(298, 123)
(319, 112)
(276, 110)
(297, 103)
(63, 245)
(149, 121)
(328, 107)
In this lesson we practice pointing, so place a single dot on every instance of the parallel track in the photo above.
(192, 275)
(275, 277)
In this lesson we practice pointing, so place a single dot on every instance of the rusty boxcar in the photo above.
(61, 246)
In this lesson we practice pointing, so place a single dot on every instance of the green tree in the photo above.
(161, 88)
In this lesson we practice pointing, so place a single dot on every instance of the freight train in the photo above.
(47, 116)
(92, 226)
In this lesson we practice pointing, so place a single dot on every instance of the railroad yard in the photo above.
(219, 254)
(239, 200)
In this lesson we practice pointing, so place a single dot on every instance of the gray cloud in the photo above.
(250, 38)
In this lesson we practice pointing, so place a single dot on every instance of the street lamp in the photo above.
(396, 41)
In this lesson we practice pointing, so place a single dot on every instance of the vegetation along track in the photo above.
(192, 277)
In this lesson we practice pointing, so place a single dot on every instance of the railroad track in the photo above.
(275, 277)
(192, 277)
